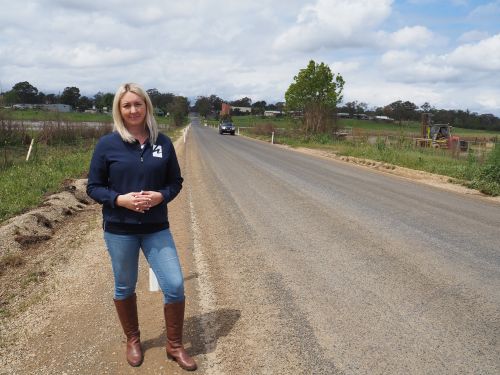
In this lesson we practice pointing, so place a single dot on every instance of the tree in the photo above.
(361, 107)
(179, 109)
(202, 105)
(243, 102)
(279, 106)
(409, 110)
(107, 101)
(259, 107)
(51, 99)
(10, 98)
(426, 107)
(154, 95)
(350, 108)
(102, 100)
(160, 100)
(215, 102)
(25, 92)
(70, 96)
(84, 103)
(403, 110)
(316, 91)
(40, 98)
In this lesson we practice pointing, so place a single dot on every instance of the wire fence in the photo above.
(40, 139)
(50, 137)
(479, 146)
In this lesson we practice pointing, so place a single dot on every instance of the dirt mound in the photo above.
(18, 233)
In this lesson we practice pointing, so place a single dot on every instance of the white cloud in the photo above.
(345, 67)
(486, 11)
(489, 100)
(409, 66)
(410, 37)
(482, 56)
(334, 23)
(254, 48)
(473, 36)
(466, 63)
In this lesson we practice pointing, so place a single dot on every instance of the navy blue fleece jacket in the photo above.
(119, 167)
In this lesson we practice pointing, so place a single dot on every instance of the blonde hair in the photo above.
(120, 127)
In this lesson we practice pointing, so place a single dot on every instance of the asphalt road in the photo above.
(321, 267)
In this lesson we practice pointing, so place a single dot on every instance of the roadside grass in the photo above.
(424, 159)
(24, 185)
(487, 178)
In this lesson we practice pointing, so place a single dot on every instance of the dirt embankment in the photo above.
(38, 225)
(25, 259)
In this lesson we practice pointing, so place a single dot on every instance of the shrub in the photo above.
(265, 128)
(488, 178)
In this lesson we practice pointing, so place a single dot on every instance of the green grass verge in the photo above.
(23, 185)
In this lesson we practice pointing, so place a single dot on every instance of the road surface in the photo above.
(338, 269)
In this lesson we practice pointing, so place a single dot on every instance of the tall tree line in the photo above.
(407, 111)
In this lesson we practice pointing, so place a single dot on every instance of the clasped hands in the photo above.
(139, 201)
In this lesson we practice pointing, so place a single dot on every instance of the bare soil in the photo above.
(56, 285)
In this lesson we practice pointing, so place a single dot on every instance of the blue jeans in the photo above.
(161, 254)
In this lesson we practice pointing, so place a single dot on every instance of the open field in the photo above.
(361, 127)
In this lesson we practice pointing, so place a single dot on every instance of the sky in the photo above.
(444, 52)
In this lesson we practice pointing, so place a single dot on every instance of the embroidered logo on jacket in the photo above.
(157, 151)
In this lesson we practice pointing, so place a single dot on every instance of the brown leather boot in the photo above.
(174, 319)
(127, 312)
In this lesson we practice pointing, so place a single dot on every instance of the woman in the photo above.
(134, 173)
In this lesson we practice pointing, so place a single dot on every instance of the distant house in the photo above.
(56, 107)
(225, 110)
(383, 118)
(22, 106)
(159, 112)
(272, 113)
(343, 115)
(295, 114)
(45, 107)
(361, 116)
(241, 109)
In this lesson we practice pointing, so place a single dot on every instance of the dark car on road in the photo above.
(226, 127)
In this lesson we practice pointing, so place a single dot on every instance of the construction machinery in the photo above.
(439, 136)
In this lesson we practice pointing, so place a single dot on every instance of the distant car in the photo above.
(226, 127)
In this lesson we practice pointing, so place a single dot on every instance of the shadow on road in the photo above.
(195, 339)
